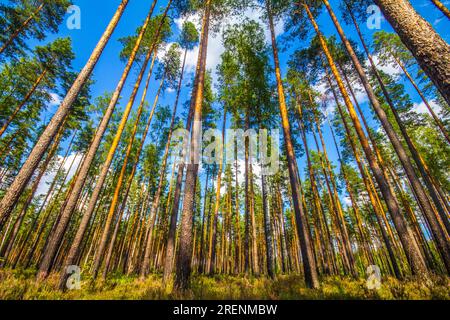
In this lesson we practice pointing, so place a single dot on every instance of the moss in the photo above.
(21, 284)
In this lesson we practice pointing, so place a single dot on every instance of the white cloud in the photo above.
(421, 108)
(73, 159)
(55, 99)
(390, 69)
(215, 45)
(347, 201)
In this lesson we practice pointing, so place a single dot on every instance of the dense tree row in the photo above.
(355, 187)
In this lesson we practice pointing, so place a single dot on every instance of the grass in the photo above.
(21, 285)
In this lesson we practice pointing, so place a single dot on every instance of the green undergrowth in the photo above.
(19, 285)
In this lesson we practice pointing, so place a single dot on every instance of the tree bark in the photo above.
(22, 27)
(183, 268)
(24, 101)
(441, 7)
(67, 210)
(309, 265)
(430, 50)
(10, 199)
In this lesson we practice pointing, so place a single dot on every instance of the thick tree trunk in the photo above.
(430, 50)
(10, 199)
(170, 246)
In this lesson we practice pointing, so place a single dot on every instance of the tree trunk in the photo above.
(436, 119)
(22, 27)
(183, 268)
(22, 104)
(170, 246)
(410, 246)
(157, 196)
(440, 233)
(441, 7)
(213, 240)
(309, 265)
(9, 201)
(67, 210)
(377, 207)
(109, 158)
(430, 50)
(419, 191)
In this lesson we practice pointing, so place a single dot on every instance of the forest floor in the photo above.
(19, 285)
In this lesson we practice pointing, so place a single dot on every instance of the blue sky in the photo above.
(95, 15)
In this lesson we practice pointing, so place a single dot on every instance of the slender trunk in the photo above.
(213, 240)
(44, 220)
(201, 267)
(377, 207)
(121, 178)
(109, 158)
(309, 265)
(24, 101)
(436, 119)
(441, 7)
(12, 237)
(247, 238)
(238, 251)
(432, 187)
(183, 268)
(162, 173)
(255, 263)
(22, 27)
(67, 210)
(267, 229)
(170, 247)
(410, 246)
(334, 194)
